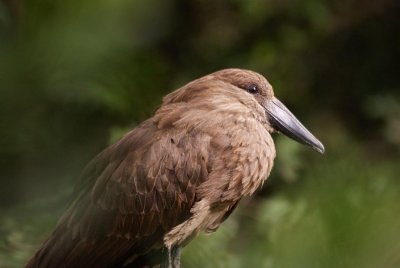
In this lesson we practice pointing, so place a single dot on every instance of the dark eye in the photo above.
(253, 89)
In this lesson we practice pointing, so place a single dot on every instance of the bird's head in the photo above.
(252, 90)
(278, 116)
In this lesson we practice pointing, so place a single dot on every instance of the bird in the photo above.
(177, 174)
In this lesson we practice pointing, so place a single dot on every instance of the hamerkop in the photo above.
(180, 172)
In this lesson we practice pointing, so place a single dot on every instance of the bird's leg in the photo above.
(183, 232)
(166, 257)
(176, 257)
(171, 258)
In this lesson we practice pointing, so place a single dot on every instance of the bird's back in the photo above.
(131, 194)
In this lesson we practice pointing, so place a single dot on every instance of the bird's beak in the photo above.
(282, 120)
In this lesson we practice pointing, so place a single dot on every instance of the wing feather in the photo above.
(131, 195)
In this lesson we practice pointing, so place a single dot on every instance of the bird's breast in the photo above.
(254, 149)
(243, 154)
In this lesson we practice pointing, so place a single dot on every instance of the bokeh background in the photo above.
(75, 75)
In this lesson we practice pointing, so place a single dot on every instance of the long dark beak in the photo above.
(282, 120)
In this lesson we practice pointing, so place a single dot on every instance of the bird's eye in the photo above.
(253, 89)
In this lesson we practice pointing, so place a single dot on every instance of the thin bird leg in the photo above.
(176, 257)
(171, 258)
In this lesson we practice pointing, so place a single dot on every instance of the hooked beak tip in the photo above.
(284, 121)
(319, 148)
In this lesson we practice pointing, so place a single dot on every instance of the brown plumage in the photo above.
(178, 173)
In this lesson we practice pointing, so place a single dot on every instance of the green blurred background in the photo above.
(75, 75)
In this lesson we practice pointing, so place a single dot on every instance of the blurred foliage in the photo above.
(76, 75)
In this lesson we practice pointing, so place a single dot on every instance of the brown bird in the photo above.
(181, 172)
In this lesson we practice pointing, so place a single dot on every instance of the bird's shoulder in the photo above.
(149, 171)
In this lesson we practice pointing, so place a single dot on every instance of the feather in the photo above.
(182, 171)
